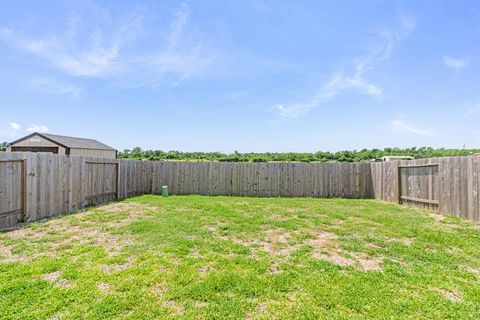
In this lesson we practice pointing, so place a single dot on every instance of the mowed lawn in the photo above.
(197, 257)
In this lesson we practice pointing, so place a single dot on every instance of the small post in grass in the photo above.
(165, 191)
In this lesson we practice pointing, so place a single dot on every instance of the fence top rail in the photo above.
(100, 162)
(13, 160)
(419, 165)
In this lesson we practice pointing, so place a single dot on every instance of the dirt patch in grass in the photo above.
(160, 289)
(368, 262)
(103, 287)
(323, 240)
(7, 254)
(280, 245)
(374, 246)
(277, 236)
(52, 277)
(437, 217)
(64, 283)
(127, 207)
(174, 307)
(195, 254)
(469, 269)
(326, 247)
(275, 242)
(132, 210)
(57, 235)
(260, 310)
(200, 305)
(205, 269)
(454, 295)
(294, 210)
(406, 241)
(112, 268)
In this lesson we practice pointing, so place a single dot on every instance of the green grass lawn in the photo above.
(199, 257)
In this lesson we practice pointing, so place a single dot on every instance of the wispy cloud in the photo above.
(179, 59)
(14, 126)
(94, 53)
(340, 83)
(336, 85)
(56, 87)
(37, 128)
(9, 131)
(105, 49)
(454, 63)
(400, 126)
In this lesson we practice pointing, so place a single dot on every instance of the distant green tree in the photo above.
(320, 156)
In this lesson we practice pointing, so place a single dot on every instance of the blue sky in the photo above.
(243, 75)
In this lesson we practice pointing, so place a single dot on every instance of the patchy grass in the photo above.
(225, 257)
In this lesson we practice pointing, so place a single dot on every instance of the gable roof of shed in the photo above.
(70, 142)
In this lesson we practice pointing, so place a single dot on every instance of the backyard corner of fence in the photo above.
(39, 185)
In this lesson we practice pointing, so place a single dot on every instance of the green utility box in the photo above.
(165, 191)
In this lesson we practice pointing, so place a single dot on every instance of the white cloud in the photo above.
(105, 49)
(179, 59)
(9, 131)
(37, 128)
(92, 57)
(340, 82)
(55, 87)
(14, 126)
(400, 126)
(456, 64)
(337, 85)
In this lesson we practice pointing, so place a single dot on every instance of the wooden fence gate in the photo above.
(102, 183)
(418, 185)
(12, 191)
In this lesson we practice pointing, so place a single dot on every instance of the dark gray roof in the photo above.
(79, 143)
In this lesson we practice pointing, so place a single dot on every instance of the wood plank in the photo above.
(420, 200)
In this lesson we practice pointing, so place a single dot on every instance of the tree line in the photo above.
(320, 156)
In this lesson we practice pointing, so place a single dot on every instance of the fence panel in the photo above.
(418, 185)
(347, 180)
(12, 190)
(101, 182)
(453, 186)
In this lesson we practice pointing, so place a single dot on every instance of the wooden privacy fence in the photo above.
(418, 184)
(38, 185)
(328, 180)
(102, 183)
(12, 191)
(450, 185)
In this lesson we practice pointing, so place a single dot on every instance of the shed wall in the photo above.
(35, 141)
(107, 154)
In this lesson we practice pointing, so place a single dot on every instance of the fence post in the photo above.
(399, 182)
(24, 189)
